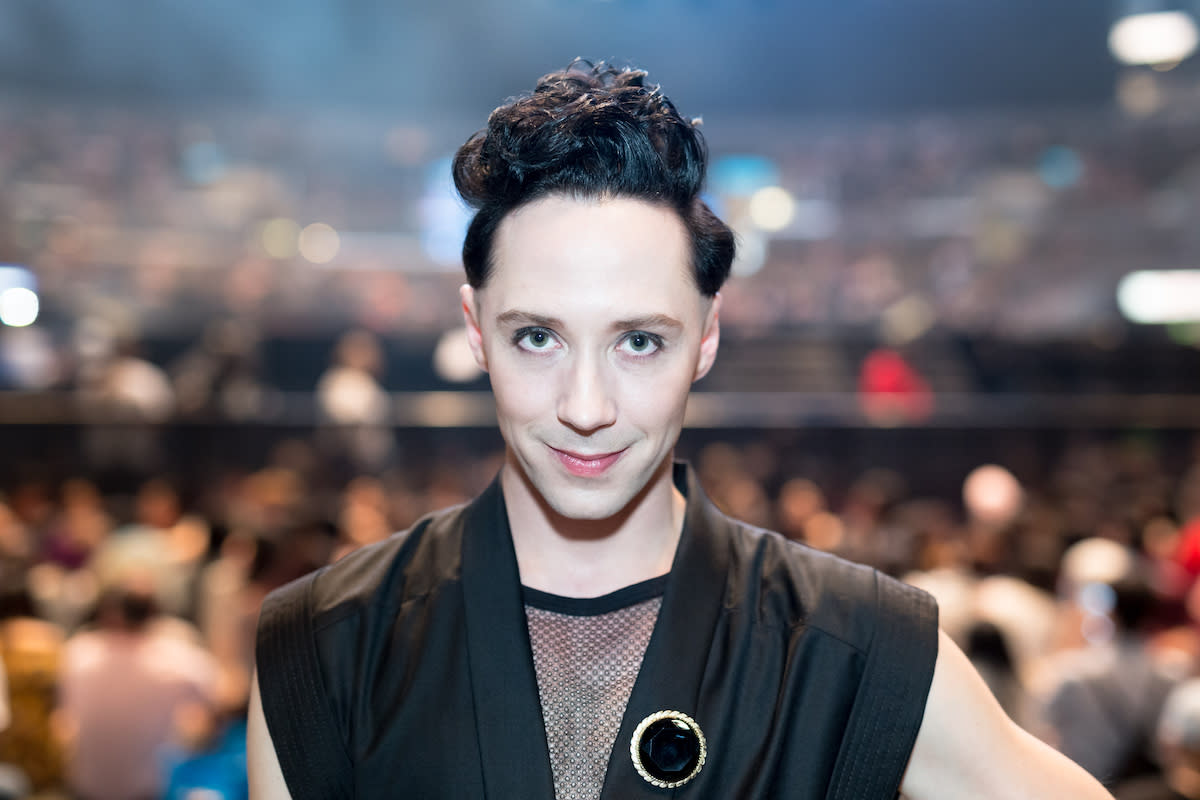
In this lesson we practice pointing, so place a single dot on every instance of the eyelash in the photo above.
(523, 333)
(653, 338)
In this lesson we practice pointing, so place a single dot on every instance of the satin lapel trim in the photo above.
(508, 710)
(677, 654)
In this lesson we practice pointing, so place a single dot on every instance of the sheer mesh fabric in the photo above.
(586, 667)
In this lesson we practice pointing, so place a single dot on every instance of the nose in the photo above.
(585, 403)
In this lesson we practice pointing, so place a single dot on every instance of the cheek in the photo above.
(655, 400)
(521, 393)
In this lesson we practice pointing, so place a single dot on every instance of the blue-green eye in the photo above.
(642, 344)
(534, 339)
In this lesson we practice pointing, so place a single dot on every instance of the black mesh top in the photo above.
(587, 654)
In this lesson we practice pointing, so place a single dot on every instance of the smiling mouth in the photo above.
(586, 465)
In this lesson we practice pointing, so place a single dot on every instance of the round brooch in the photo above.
(668, 749)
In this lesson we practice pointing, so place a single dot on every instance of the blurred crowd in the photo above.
(127, 610)
(156, 219)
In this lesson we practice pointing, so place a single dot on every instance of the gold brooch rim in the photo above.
(636, 755)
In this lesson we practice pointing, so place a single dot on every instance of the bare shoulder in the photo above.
(968, 747)
(266, 778)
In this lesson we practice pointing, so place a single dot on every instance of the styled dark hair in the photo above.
(590, 131)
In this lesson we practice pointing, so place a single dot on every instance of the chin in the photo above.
(586, 503)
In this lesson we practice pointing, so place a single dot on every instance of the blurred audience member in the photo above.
(1027, 616)
(31, 650)
(207, 755)
(79, 527)
(16, 547)
(1102, 699)
(364, 516)
(1178, 745)
(351, 399)
(268, 501)
(63, 585)
(219, 378)
(211, 762)
(799, 500)
(121, 685)
(162, 542)
(865, 512)
(226, 610)
(14, 783)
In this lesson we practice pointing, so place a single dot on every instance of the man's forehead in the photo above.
(561, 231)
(592, 263)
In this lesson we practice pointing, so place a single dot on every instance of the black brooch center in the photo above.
(668, 748)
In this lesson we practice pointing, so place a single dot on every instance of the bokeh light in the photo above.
(1138, 93)
(452, 358)
(319, 243)
(280, 237)
(738, 175)
(992, 494)
(772, 208)
(1060, 167)
(1153, 297)
(1161, 37)
(18, 306)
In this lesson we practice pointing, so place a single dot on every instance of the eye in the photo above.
(641, 343)
(534, 339)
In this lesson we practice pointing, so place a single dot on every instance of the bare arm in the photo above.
(266, 778)
(968, 747)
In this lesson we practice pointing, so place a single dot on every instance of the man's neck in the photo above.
(590, 558)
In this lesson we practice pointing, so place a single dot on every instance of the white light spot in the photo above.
(18, 307)
(1095, 560)
(992, 494)
(1159, 297)
(319, 243)
(772, 208)
(1158, 38)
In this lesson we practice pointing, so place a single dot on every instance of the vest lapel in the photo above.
(509, 726)
(677, 654)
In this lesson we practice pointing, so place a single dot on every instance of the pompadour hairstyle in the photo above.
(590, 131)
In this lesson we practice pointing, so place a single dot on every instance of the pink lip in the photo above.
(587, 466)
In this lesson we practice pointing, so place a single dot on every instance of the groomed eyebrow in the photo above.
(528, 318)
(652, 321)
(647, 321)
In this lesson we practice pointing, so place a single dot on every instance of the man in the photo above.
(591, 626)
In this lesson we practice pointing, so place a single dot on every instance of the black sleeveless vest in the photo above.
(404, 670)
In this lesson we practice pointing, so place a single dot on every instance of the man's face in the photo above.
(592, 330)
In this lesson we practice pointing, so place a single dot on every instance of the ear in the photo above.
(711, 338)
(470, 309)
